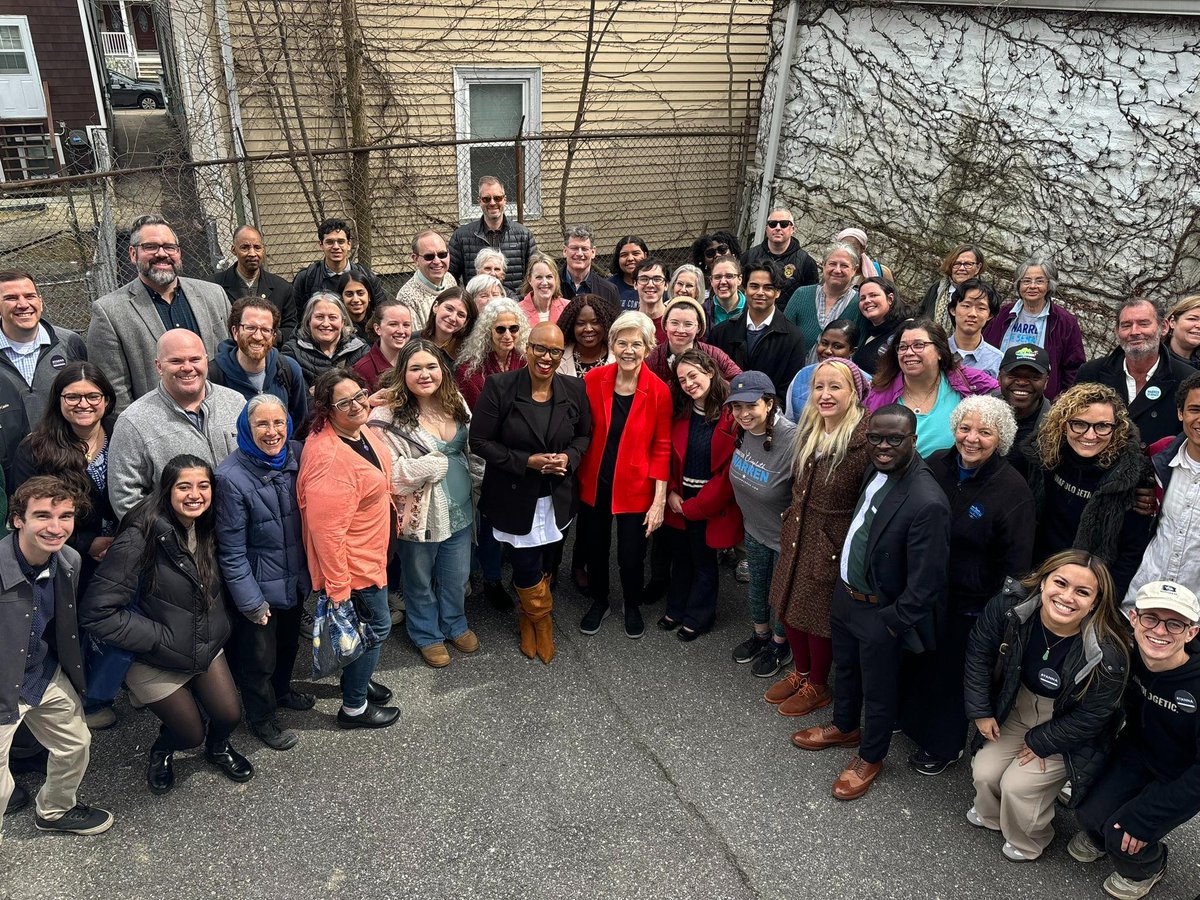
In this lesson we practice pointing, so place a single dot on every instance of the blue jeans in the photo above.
(435, 588)
(371, 604)
(761, 560)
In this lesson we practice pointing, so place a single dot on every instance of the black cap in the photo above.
(1025, 355)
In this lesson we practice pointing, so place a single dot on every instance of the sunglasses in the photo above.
(499, 199)
(511, 329)
(778, 223)
(430, 257)
(719, 250)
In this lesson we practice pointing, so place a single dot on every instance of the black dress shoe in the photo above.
(686, 634)
(160, 774)
(666, 623)
(235, 766)
(18, 800)
(377, 693)
(372, 717)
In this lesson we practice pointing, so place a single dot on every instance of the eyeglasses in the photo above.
(719, 250)
(552, 352)
(499, 199)
(511, 329)
(252, 330)
(1080, 427)
(152, 247)
(622, 344)
(1033, 282)
(727, 278)
(778, 223)
(359, 399)
(651, 279)
(892, 440)
(915, 347)
(430, 257)
(75, 399)
(1149, 621)
(965, 265)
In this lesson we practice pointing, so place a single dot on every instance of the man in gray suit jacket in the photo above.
(126, 324)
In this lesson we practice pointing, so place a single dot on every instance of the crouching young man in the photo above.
(1151, 783)
(41, 661)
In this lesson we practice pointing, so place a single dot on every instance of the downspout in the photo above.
(243, 212)
(781, 83)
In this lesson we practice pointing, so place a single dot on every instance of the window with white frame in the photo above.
(494, 104)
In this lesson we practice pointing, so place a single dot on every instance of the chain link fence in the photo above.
(71, 232)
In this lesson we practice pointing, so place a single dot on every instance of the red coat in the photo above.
(644, 454)
(715, 501)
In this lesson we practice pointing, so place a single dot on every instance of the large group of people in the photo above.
(952, 524)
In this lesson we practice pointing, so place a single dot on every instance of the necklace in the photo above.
(94, 446)
(1046, 638)
(927, 396)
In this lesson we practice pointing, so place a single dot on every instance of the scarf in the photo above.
(246, 443)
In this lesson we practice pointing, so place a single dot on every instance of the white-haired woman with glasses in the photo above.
(1034, 318)
(326, 339)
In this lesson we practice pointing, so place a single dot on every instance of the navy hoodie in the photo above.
(1162, 728)
(291, 391)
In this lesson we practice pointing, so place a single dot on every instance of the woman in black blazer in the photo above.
(531, 427)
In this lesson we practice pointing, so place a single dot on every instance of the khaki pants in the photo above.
(57, 722)
(1019, 800)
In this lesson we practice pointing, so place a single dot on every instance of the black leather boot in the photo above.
(235, 766)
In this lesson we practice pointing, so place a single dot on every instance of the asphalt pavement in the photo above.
(625, 769)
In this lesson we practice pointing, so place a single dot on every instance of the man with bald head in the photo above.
(249, 278)
(127, 323)
(184, 414)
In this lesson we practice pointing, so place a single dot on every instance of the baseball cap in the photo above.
(1168, 595)
(1026, 355)
(749, 387)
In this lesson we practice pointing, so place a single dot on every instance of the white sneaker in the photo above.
(1012, 853)
(1083, 850)
(1126, 889)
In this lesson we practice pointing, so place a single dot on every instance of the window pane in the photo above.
(497, 161)
(13, 64)
(10, 37)
(495, 110)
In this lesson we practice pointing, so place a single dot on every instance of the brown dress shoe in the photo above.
(809, 698)
(781, 690)
(467, 642)
(857, 779)
(822, 737)
(436, 655)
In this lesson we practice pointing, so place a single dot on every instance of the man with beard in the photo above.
(248, 362)
(1142, 370)
(123, 335)
(893, 577)
(248, 278)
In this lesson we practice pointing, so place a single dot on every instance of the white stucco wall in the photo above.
(1026, 131)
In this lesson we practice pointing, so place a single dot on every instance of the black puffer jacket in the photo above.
(179, 624)
(313, 363)
(1083, 727)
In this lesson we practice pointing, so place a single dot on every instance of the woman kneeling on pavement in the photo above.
(830, 459)
(701, 511)
(1046, 666)
(346, 511)
(159, 594)
(424, 425)
(531, 428)
(761, 475)
(261, 551)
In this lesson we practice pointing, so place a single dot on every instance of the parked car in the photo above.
(130, 93)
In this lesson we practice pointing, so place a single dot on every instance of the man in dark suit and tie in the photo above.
(893, 568)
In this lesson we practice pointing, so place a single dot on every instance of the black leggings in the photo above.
(530, 564)
(183, 725)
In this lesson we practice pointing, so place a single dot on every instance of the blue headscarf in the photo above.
(246, 441)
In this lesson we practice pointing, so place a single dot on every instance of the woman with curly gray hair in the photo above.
(495, 344)
(326, 338)
(991, 538)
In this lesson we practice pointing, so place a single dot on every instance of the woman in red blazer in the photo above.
(701, 513)
(623, 476)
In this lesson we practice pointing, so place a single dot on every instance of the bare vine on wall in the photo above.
(1023, 131)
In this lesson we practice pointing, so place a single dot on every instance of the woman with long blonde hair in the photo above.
(830, 459)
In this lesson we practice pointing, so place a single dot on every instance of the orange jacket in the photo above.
(346, 509)
(644, 454)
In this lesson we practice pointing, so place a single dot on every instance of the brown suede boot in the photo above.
(525, 625)
(536, 604)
